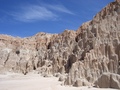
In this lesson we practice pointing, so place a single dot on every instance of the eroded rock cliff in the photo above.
(84, 55)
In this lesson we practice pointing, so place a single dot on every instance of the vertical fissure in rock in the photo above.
(7, 59)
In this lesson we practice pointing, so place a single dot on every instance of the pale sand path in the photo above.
(35, 82)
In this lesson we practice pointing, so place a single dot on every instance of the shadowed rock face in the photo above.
(83, 54)
(108, 80)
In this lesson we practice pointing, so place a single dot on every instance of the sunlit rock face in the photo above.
(98, 46)
(84, 55)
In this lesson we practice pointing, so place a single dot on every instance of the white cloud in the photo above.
(33, 13)
(60, 8)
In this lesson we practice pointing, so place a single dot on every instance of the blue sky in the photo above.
(25, 18)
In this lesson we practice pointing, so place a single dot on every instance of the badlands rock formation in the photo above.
(82, 56)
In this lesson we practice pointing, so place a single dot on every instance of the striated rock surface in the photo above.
(84, 55)
(97, 47)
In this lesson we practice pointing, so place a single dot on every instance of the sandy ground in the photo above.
(35, 82)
